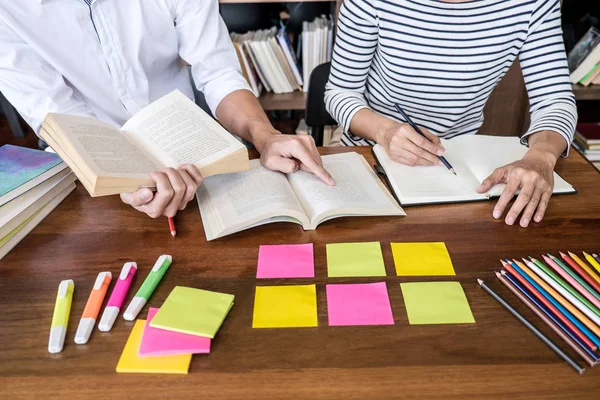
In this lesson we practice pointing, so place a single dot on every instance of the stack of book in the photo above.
(584, 59)
(587, 140)
(268, 59)
(32, 184)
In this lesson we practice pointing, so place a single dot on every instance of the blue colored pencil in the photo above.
(584, 330)
(551, 316)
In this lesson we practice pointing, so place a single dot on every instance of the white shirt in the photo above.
(111, 59)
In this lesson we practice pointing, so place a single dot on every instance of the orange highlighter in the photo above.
(92, 308)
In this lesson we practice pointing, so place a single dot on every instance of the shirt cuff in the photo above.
(216, 90)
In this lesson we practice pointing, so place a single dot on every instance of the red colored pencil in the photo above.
(172, 226)
(580, 271)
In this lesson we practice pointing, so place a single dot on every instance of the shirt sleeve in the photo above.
(544, 63)
(204, 43)
(355, 45)
(31, 84)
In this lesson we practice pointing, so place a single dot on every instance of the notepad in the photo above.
(359, 304)
(193, 311)
(436, 303)
(355, 259)
(422, 259)
(160, 342)
(286, 261)
(131, 362)
(293, 306)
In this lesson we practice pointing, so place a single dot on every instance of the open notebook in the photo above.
(234, 202)
(474, 158)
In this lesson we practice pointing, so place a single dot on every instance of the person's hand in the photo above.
(405, 146)
(533, 177)
(175, 187)
(289, 153)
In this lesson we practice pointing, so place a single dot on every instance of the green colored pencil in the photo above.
(575, 276)
(565, 285)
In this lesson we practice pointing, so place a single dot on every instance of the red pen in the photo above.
(172, 226)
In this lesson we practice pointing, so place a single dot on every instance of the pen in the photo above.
(172, 226)
(418, 130)
(60, 318)
(117, 297)
(92, 308)
(145, 291)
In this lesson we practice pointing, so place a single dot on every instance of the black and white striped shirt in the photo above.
(440, 61)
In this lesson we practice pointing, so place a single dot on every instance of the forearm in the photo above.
(370, 125)
(241, 114)
(548, 144)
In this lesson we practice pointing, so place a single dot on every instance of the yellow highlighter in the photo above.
(60, 318)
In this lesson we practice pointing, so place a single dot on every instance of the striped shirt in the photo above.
(440, 61)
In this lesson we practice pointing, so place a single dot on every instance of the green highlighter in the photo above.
(150, 283)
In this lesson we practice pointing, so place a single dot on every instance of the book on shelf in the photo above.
(587, 140)
(474, 158)
(169, 132)
(32, 183)
(584, 58)
(317, 45)
(236, 202)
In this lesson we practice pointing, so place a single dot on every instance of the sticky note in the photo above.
(422, 259)
(286, 261)
(193, 311)
(130, 361)
(359, 304)
(160, 342)
(436, 303)
(355, 259)
(293, 306)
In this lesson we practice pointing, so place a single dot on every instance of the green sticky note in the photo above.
(436, 303)
(355, 259)
(422, 259)
(193, 311)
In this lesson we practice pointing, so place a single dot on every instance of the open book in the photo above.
(169, 132)
(232, 203)
(474, 158)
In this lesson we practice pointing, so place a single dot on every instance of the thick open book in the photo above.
(169, 132)
(235, 202)
(474, 158)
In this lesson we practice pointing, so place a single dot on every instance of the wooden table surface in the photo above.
(495, 357)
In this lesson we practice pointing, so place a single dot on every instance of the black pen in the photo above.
(416, 128)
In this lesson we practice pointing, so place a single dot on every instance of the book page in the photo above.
(176, 131)
(358, 191)
(434, 184)
(103, 147)
(244, 198)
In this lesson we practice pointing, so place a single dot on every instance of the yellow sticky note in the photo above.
(131, 362)
(355, 259)
(292, 306)
(422, 259)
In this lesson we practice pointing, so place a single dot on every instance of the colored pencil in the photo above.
(591, 260)
(585, 352)
(587, 287)
(532, 328)
(595, 326)
(566, 286)
(172, 226)
(558, 310)
(597, 257)
(573, 282)
(584, 271)
(418, 130)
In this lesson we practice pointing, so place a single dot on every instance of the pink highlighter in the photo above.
(117, 297)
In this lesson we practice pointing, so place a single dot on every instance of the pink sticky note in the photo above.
(359, 304)
(286, 261)
(160, 342)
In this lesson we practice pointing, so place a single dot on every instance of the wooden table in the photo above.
(497, 356)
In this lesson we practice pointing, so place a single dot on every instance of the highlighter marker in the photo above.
(145, 291)
(117, 297)
(60, 318)
(92, 308)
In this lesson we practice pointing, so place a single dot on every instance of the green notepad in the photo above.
(436, 303)
(355, 259)
(193, 311)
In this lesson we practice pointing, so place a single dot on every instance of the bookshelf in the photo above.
(285, 101)
(591, 92)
